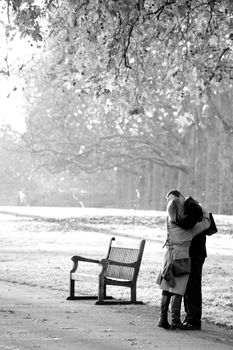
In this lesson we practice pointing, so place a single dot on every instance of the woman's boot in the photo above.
(175, 309)
(165, 301)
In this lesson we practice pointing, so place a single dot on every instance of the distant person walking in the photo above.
(178, 244)
(22, 199)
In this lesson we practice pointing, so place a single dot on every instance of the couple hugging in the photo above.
(187, 226)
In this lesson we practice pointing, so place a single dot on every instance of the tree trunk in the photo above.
(200, 166)
(226, 175)
(212, 170)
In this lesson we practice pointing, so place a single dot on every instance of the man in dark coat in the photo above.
(193, 295)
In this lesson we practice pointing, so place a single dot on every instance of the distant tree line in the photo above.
(209, 177)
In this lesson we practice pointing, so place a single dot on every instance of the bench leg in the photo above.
(72, 288)
(102, 290)
(133, 294)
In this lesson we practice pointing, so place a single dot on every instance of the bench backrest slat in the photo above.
(124, 255)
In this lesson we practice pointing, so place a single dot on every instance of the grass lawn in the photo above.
(38, 251)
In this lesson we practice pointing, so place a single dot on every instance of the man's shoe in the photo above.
(191, 327)
(178, 325)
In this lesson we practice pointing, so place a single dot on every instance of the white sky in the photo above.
(12, 111)
(17, 52)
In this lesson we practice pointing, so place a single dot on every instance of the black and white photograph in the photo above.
(116, 174)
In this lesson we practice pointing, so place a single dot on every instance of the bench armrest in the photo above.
(77, 258)
(106, 262)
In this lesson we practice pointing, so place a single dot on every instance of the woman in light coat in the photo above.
(173, 287)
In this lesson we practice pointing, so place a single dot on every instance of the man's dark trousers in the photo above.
(193, 294)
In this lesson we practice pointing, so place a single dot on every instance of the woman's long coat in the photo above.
(179, 242)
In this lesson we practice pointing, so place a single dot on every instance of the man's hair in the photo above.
(175, 193)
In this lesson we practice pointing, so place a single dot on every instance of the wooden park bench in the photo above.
(119, 268)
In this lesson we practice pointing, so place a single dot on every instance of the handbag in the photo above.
(181, 266)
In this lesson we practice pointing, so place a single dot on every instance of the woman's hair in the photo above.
(175, 210)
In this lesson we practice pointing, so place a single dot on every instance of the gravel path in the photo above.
(37, 318)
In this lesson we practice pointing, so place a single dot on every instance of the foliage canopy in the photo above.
(121, 34)
(120, 80)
